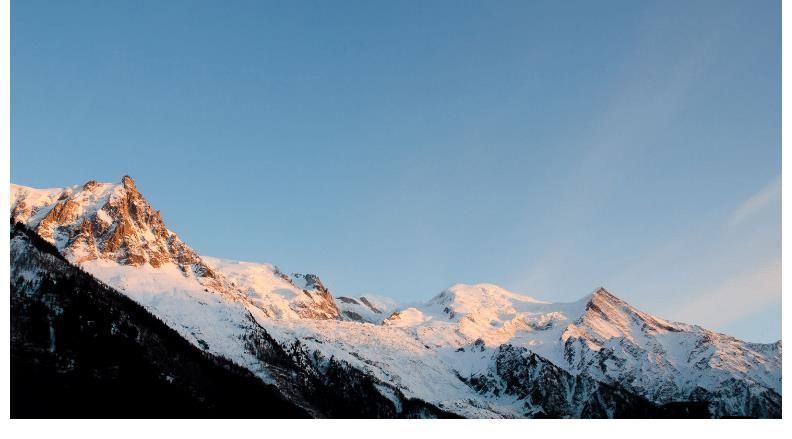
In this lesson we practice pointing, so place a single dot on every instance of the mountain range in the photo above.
(94, 268)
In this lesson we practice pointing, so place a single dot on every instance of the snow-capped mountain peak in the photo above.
(104, 221)
(462, 299)
(105, 225)
(485, 313)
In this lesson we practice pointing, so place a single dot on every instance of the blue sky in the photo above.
(396, 148)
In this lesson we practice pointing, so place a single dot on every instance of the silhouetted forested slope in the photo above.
(81, 349)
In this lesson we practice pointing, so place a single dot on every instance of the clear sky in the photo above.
(398, 147)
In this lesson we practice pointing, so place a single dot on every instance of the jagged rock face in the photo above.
(102, 221)
(133, 219)
(107, 221)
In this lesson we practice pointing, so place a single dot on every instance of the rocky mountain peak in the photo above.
(604, 304)
(128, 183)
(602, 294)
(90, 185)
(105, 221)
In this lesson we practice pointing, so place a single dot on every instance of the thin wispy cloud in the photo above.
(736, 297)
(766, 197)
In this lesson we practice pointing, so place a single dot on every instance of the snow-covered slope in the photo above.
(275, 293)
(467, 351)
